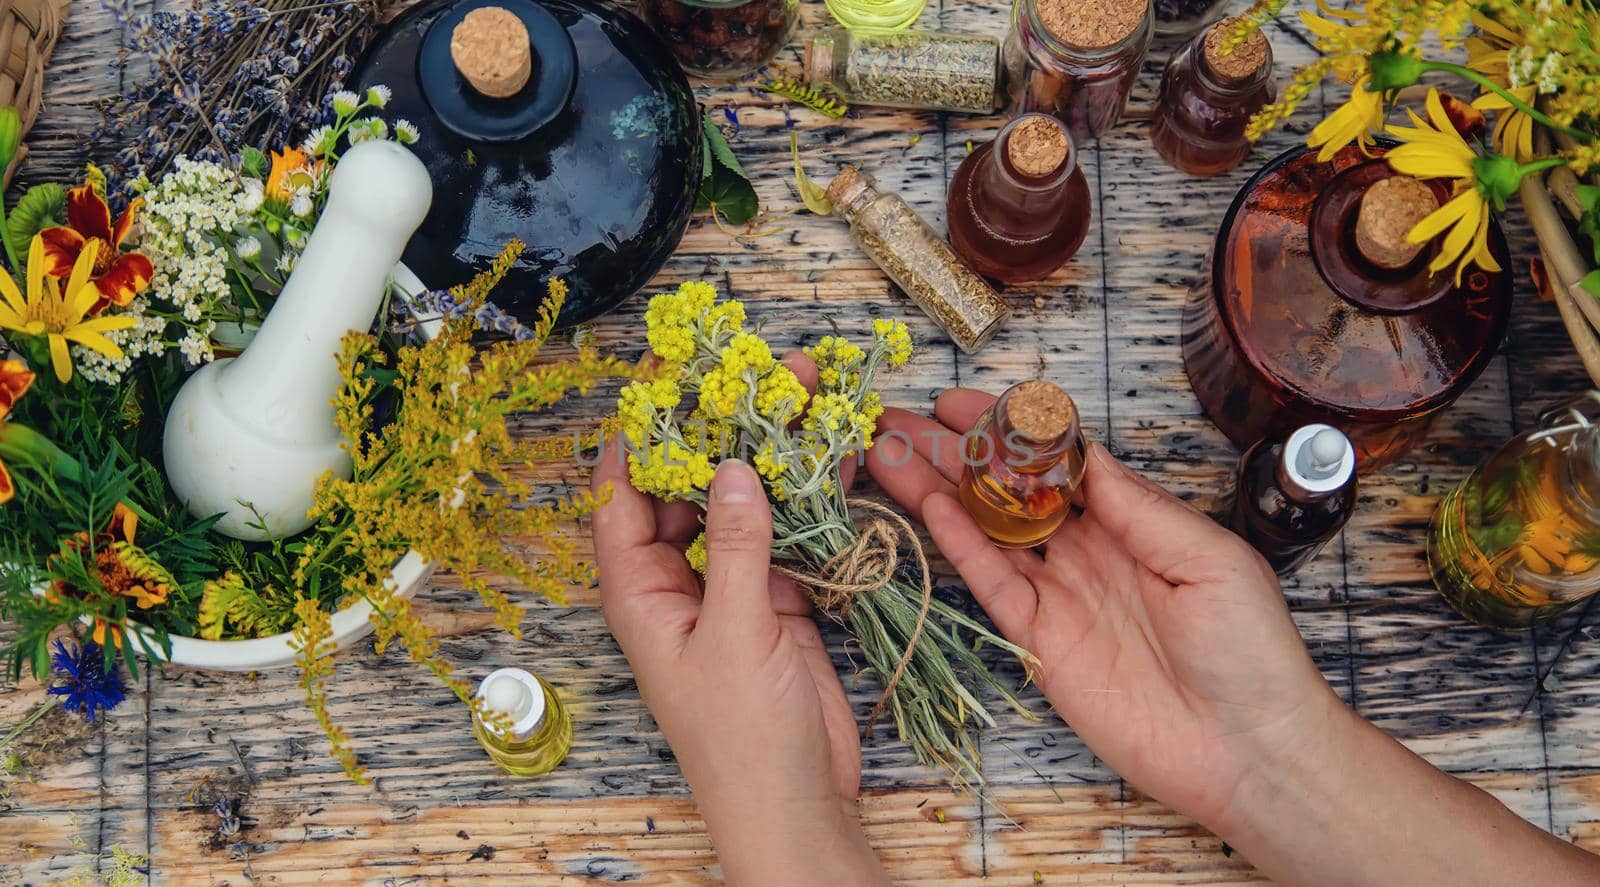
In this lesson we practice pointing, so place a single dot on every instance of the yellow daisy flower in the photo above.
(1488, 54)
(1354, 121)
(1433, 149)
(58, 314)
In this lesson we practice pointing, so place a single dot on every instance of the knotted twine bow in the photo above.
(866, 565)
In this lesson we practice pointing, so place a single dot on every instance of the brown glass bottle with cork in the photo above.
(1019, 206)
(1076, 59)
(1316, 309)
(1292, 496)
(1025, 459)
(1208, 97)
(918, 260)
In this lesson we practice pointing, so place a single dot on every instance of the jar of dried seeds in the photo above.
(722, 39)
(1076, 59)
(928, 70)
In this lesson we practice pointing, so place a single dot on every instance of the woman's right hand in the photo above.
(1165, 642)
(1162, 638)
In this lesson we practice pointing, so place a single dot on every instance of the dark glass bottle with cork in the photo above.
(1315, 308)
(1292, 496)
(1025, 460)
(1076, 59)
(1019, 206)
(1208, 98)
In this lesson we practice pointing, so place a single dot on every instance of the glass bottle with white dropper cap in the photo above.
(1294, 495)
(540, 731)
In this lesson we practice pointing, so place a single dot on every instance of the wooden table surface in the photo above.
(1517, 715)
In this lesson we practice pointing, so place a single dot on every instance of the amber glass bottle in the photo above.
(1315, 310)
(1019, 205)
(1207, 98)
(1292, 496)
(1519, 541)
(1076, 59)
(1024, 465)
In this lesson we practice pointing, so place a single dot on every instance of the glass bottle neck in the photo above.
(1347, 270)
(1024, 454)
(1220, 87)
(1026, 17)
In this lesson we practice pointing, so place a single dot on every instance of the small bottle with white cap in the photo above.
(540, 731)
(1294, 495)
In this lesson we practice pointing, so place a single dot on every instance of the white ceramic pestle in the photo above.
(247, 438)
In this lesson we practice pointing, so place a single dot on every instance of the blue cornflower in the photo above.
(82, 678)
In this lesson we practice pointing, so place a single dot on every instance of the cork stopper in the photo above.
(848, 186)
(1037, 146)
(491, 50)
(1390, 208)
(1244, 62)
(1091, 24)
(818, 61)
(1040, 411)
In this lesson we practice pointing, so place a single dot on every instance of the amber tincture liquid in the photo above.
(1293, 496)
(1207, 98)
(1024, 465)
(1019, 206)
(1316, 310)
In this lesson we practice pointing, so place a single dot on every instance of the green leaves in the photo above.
(1589, 226)
(814, 196)
(43, 206)
(724, 188)
(253, 163)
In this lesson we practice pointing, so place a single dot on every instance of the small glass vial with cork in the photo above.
(1019, 206)
(924, 70)
(1076, 59)
(1207, 98)
(1292, 496)
(540, 731)
(1025, 460)
(918, 260)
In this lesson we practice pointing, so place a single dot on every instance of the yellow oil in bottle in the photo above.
(541, 733)
(1024, 465)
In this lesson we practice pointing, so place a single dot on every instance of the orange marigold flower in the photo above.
(291, 171)
(123, 568)
(119, 276)
(15, 378)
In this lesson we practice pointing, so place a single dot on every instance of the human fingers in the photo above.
(936, 444)
(627, 521)
(805, 369)
(907, 477)
(992, 575)
(1171, 538)
(960, 408)
(838, 718)
(738, 553)
(676, 522)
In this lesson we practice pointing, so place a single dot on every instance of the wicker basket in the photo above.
(1565, 264)
(28, 33)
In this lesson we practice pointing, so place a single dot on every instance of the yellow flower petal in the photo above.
(36, 268)
(83, 269)
(60, 360)
(1440, 219)
(1460, 236)
(91, 339)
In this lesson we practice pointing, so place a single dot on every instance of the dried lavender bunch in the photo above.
(223, 75)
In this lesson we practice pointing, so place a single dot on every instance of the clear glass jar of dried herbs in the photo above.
(722, 39)
(926, 70)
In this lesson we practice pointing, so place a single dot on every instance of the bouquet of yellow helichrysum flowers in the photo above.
(722, 393)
